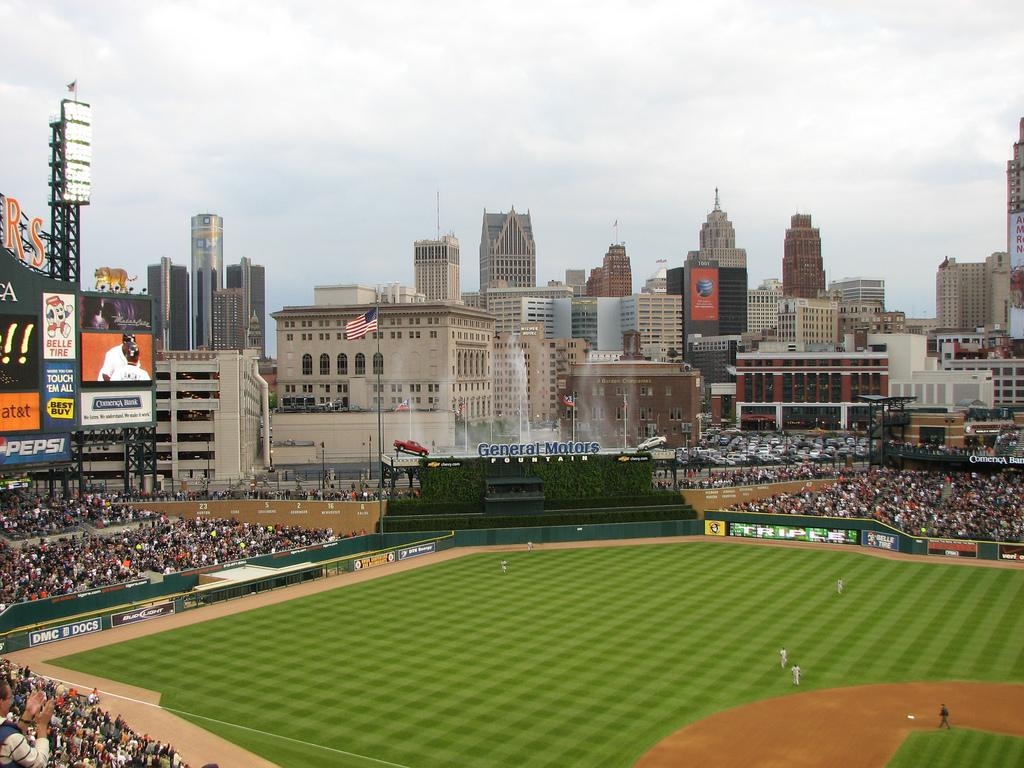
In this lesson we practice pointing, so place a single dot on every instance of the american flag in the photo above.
(402, 406)
(569, 401)
(362, 325)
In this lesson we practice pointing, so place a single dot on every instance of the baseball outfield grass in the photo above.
(575, 657)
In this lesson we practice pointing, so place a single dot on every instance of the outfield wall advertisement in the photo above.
(952, 548)
(793, 533)
(1011, 552)
(881, 540)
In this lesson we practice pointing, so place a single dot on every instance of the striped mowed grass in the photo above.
(575, 657)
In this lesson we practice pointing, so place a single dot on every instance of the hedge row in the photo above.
(588, 517)
(581, 477)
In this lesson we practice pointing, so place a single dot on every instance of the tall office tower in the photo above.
(715, 280)
(229, 321)
(168, 285)
(1015, 176)
(508, 254)
(207, 274)
(436, 265)
(252, 280)
(614, 277)
(763, 305)
(803, 274)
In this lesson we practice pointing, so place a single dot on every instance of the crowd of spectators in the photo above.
(27, 515)
(83, 734)
(89, 560)
(966, 505)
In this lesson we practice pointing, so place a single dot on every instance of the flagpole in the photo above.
(380, 425)
(625, 408)
(573, 409)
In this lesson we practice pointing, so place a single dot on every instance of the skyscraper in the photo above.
(230, 324)
(168, 285)
(508, 254)
(715, 280)
(436, 266)
(252, 281)
(803, 274)
(1015, 176)
(207, 274)
(1015, 236)
(614, 277)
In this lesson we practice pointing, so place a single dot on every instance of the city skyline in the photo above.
(897, 148)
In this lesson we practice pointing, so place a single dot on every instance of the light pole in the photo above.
(323, 466)
(369, 461)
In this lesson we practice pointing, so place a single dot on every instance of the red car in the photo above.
(410, 446)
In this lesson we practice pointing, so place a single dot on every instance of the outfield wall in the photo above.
(343, 517)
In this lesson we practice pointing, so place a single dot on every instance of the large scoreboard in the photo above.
(38, 350)
(64, 353)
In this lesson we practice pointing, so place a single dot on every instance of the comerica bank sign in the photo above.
(554, 448)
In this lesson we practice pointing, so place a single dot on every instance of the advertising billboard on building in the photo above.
(704, 292)
(1015, 244)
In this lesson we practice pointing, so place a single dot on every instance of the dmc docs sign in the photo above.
(52, 635)
(553, 448)
(118, 408)
(33, 449)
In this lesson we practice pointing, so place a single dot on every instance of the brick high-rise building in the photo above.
(614, 277)
(803, 274)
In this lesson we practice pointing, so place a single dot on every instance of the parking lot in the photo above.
(731, 448)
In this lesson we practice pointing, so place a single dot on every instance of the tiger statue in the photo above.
(113, 279)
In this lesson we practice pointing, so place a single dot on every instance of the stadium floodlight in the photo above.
(76, 152)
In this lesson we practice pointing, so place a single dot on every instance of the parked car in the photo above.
(410, 446)
(652, 442)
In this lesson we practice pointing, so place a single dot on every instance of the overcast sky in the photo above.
(323, 131)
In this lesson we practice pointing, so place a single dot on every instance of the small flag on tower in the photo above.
(569, 401)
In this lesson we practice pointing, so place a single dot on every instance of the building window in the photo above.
(342, 364)
(307, 365)
(378, 364)
(325, 364)
(360, 364)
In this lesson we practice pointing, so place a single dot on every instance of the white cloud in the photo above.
(322, 131)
